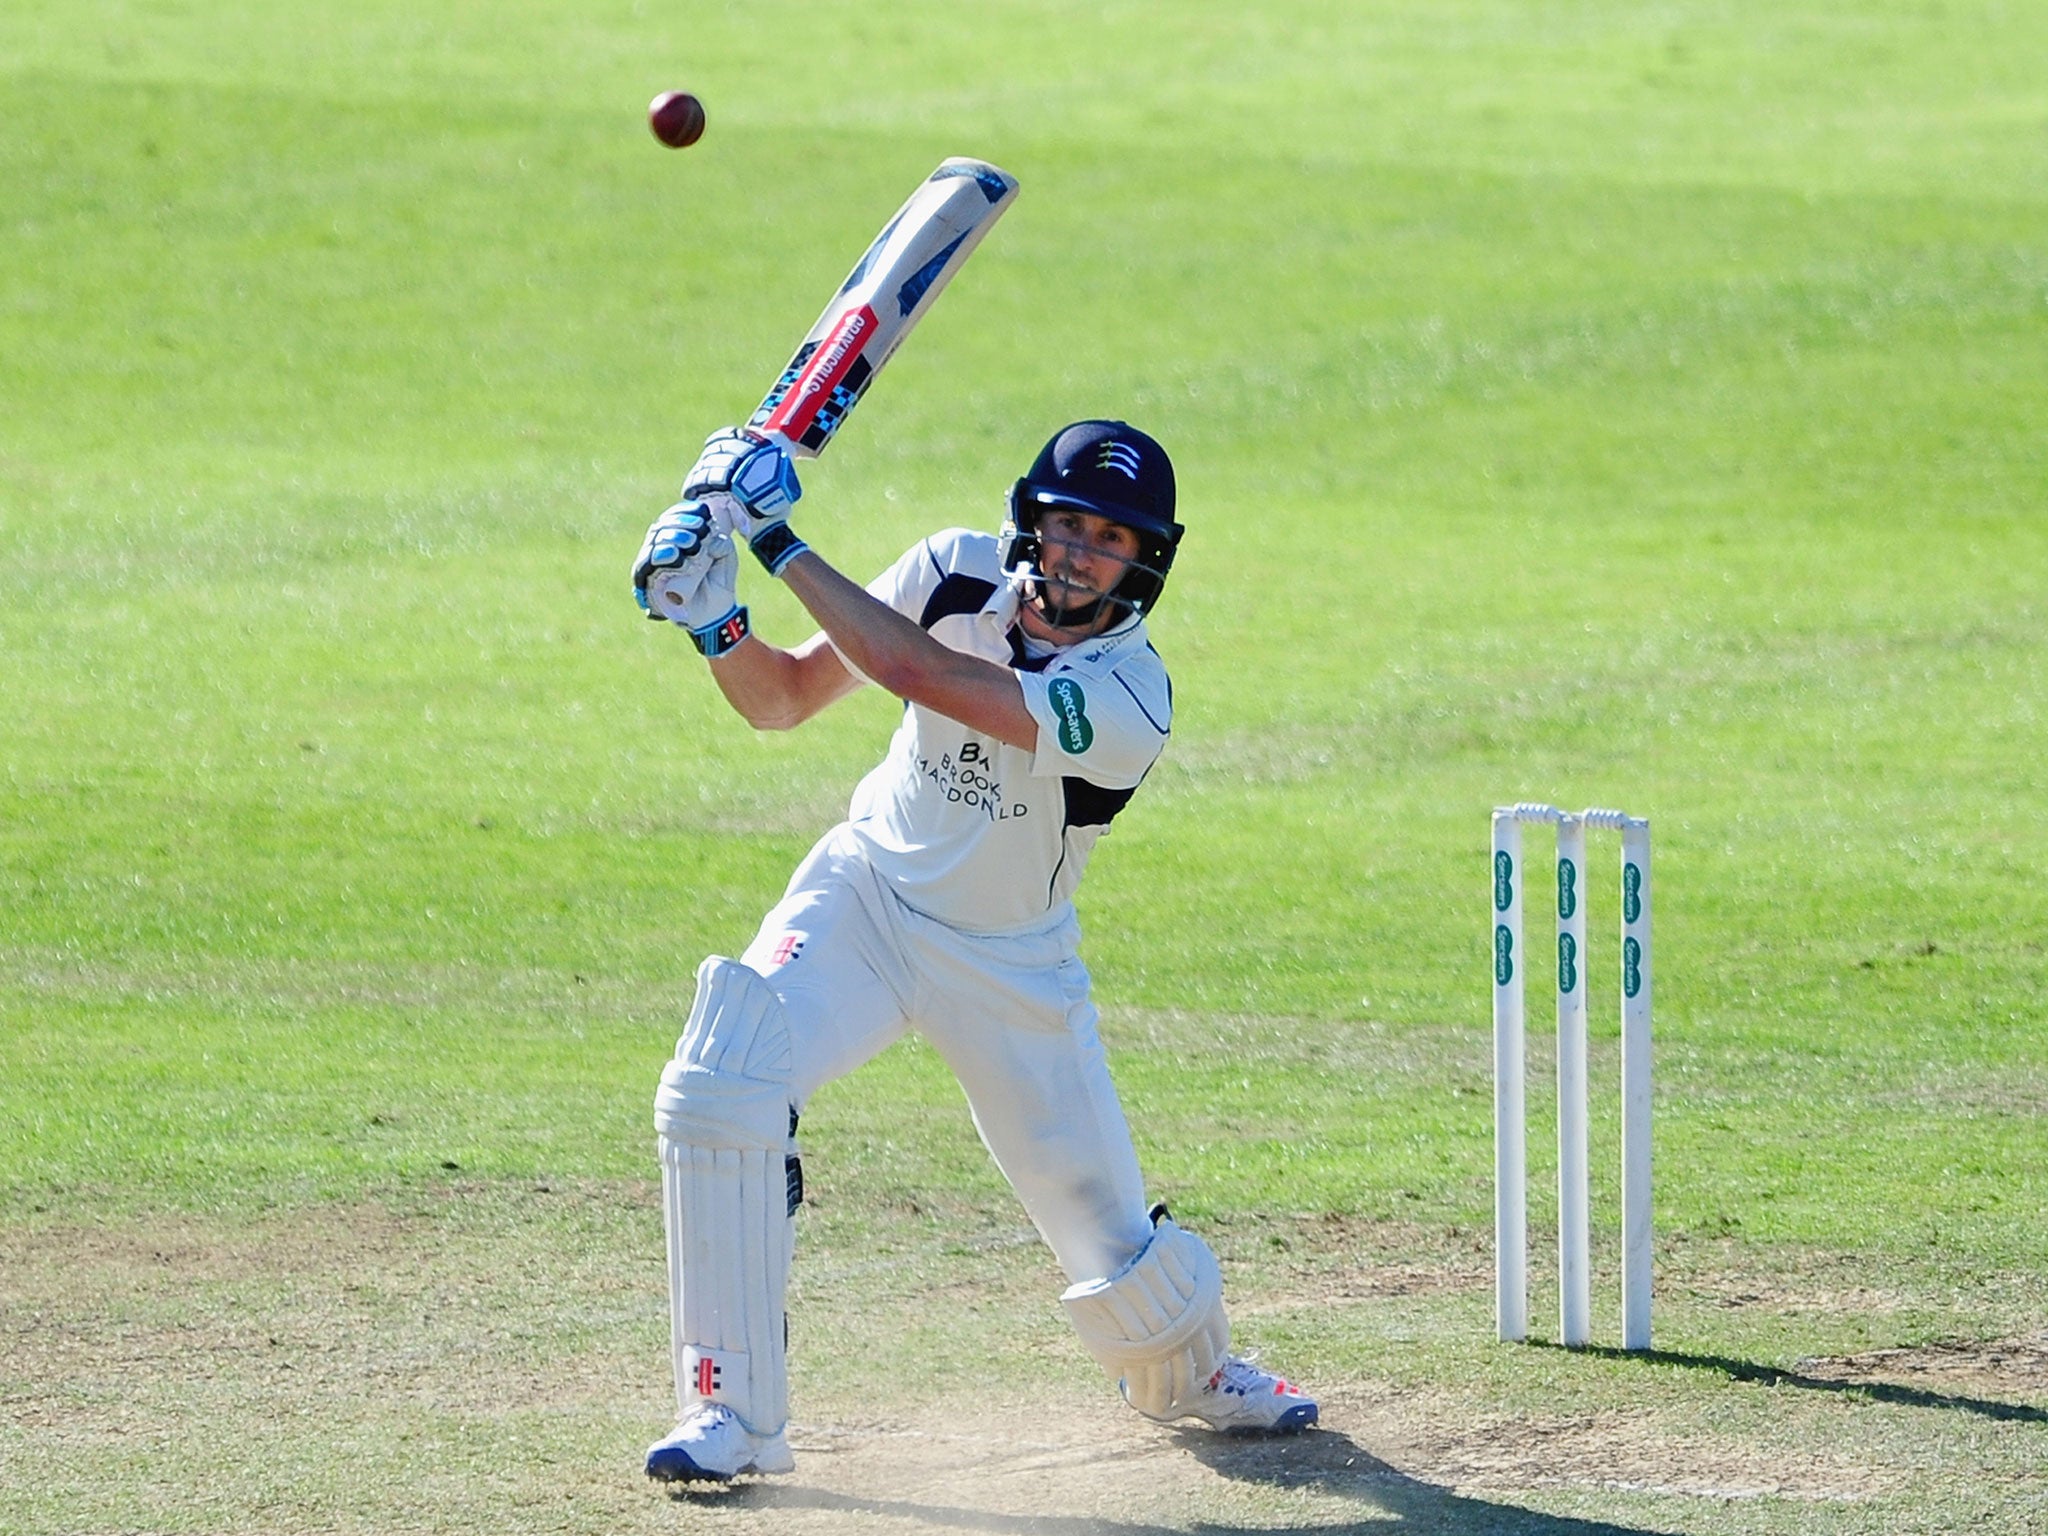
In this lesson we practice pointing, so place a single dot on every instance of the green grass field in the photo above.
(1589, 402)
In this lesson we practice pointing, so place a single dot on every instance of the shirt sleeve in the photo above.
(908, 584)
(1107, 728)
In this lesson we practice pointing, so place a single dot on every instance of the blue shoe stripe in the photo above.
(1298, 1417)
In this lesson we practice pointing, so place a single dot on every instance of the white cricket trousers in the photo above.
(1010, 1014)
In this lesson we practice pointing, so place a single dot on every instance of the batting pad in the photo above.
(1158, 1324)
(730, 1187)
(730, 1241)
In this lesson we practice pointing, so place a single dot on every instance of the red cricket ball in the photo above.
(677, 118)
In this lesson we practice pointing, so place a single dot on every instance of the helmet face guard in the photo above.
(1108, 470)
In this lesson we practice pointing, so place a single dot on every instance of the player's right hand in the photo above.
(676, 555)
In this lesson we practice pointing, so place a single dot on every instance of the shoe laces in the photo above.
(1241, 1374)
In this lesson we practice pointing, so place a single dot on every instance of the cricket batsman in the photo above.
(1034, 705)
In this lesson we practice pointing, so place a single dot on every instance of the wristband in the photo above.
(716, 639)
(775, 546)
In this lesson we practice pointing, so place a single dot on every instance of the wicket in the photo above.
(1574, 1197)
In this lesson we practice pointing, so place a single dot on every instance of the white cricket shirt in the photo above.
(977, 833)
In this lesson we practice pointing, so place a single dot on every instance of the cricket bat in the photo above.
(898, 278)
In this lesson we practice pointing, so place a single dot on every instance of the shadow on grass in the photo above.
(1331, 1462)
(1751, 1373)
(1322, 1461)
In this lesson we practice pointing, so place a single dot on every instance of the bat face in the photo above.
(886, 294)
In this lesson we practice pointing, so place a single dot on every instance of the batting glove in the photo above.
(675, 546)
(750, 484)
(688, 573)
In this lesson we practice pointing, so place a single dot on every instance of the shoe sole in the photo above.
(1301, 1416)
(675, 1466)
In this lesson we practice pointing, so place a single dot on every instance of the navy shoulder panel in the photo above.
(1090, 805)
(955, 594)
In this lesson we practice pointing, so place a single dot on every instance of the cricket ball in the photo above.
(677, 118)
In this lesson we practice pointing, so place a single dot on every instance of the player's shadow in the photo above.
(1323, 1461)
(1751, 1373)
(1332, 1462)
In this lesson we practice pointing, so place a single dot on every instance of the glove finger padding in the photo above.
(1158, 1325)
(678, 542)
(713, 471)
(679, 533)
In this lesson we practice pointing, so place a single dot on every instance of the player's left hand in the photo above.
(701, 594)
(748, 481)
(675, 555)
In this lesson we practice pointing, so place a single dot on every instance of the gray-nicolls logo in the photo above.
(1121, 457)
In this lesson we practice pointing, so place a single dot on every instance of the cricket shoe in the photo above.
(1242, 1399)
(713, 1446)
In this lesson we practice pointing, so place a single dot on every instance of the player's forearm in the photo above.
(896, 655)
(758, 681)
(773, 689)
(885, 646)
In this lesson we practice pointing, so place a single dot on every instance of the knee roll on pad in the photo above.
(728, 1085)
(1158, 1324)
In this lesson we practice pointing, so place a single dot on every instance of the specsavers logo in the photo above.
(1075, 731)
